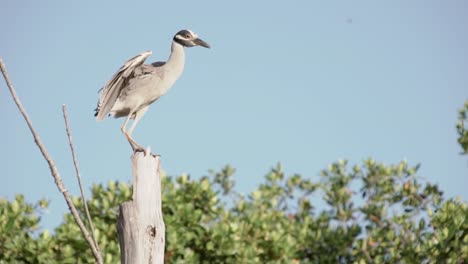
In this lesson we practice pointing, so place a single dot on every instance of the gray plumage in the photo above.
(136, 85)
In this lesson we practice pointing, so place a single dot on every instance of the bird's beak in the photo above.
(202, 43)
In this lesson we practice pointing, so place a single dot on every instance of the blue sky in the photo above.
(301, 82)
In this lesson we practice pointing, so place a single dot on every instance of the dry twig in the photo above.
(51, 163)
(78, 175)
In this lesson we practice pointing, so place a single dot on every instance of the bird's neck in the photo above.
(176, 60)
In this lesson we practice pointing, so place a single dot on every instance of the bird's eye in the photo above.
(187, 36)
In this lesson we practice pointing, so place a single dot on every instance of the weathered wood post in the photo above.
(140, 225)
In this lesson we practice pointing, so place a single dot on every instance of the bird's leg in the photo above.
(124, 126)
(138, 115)
(135, 146)
(133, 143)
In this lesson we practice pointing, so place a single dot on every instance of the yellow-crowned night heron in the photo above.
(136, 86)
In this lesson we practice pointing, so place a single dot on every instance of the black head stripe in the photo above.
(184, 32)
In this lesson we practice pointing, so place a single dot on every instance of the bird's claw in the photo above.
(138, 148)
(135, 146)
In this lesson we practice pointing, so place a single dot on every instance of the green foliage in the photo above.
(462, 128)
(18, 242)
(370, 213)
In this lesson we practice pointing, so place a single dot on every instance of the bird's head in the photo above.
(188, 38)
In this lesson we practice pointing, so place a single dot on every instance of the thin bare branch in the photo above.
(78, 175)
(51, 163)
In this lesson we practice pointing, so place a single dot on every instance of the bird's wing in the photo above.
(111, 91)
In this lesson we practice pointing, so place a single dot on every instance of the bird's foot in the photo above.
(138, 148)
(135, 146)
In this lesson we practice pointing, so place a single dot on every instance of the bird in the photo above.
(136, 85)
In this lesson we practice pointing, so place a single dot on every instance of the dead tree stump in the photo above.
(140, 225)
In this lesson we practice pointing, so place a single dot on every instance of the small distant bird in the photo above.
(136, 86)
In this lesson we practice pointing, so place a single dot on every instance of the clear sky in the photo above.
(300, 82)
